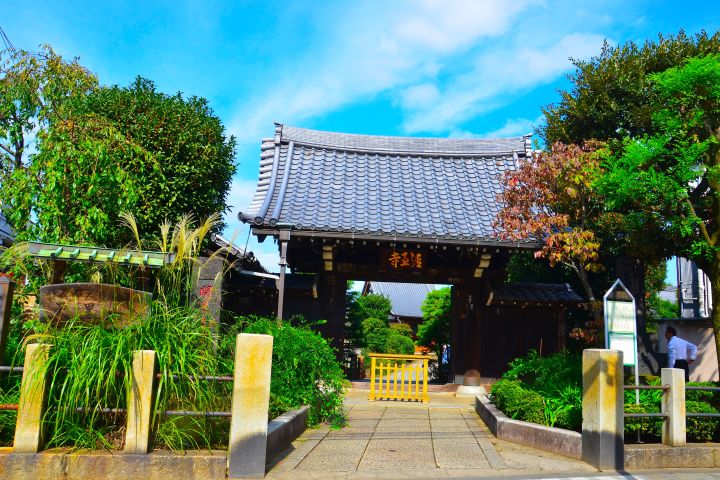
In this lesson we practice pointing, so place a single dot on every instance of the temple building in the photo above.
(412, 210)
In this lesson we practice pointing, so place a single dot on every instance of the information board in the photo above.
(620, 322)
(621, 326)
(625, 342)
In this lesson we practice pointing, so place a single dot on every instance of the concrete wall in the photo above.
(284, 429)
(550, 439)
(65, 464)
(701, 333)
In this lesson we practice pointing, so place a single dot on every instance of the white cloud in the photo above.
(500, 74)
(513, 127)
(419, 96)
(371, 48)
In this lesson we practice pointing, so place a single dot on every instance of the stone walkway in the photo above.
(388, 439)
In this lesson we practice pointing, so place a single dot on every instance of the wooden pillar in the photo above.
(7, 288)
(458, 335)
(284, 238)
(562, 335)
(331, 299)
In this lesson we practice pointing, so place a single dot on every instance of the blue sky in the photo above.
(415, 67)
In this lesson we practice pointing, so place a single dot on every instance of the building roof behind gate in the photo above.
(374, 186)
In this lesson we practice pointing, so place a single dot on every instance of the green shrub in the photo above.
(546, 373)
(647, 397)
(375, 333)
(532, 409)
(398, 343)
(646, 426)
(403, 329)
(700, 395)
(570, 418)
(505, 392)
(517, 402)
(563, 407)
(304, 370)
(700, 429)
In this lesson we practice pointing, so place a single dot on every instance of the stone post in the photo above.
(602, 409)
(209, 288)
(7, 288)
(250, 403)
(33, 397)
(140, 402)
(673, 403)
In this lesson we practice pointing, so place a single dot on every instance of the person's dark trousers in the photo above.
(685, 366)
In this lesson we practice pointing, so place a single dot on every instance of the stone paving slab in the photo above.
(458, 453)
(396, 440)
(335, 454)
(405, 454)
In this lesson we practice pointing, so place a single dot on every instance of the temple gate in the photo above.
(418, 210)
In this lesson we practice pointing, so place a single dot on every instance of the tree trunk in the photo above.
(714, 275)
(596, 309)
(631, 271)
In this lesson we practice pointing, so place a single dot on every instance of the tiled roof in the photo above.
(533, 293)
(373, 186)
(405, 298)
(241, 259)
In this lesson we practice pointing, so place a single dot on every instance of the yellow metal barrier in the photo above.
(399, 377)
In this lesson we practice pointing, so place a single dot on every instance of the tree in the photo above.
(353, 326)
(434, 331)
(673, 175)
(33, 88)
(611, 93)
(612, 97)
(191, 160)
(551, 198)
(360, 307)
(116, 149)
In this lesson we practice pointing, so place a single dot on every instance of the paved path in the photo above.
(389, 439)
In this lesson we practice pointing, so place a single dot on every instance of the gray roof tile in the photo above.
(404, 186)
(541, 293)
(406, 298)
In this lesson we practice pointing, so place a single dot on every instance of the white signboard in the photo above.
(625, 343)
(621, 316)
(621, 326)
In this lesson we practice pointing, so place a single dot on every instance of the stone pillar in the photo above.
(33, 398)
(140, 402)
(673, 403)
(7, 287)
(602, 409)
(209, 273)
(250, 403)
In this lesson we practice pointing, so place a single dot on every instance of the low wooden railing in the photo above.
(399, 377)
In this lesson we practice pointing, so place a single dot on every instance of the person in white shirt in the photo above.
(681, 353)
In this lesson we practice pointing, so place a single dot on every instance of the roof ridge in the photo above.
(430, 146)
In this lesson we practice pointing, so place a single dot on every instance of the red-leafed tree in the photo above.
(550, 198)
